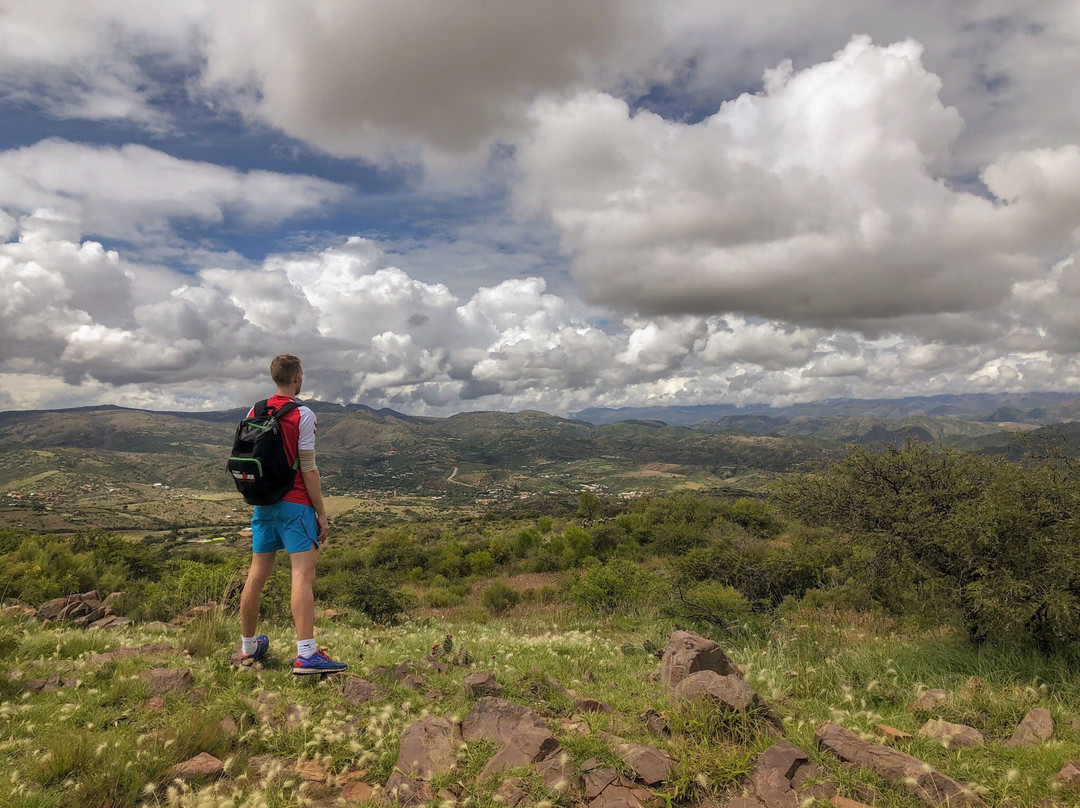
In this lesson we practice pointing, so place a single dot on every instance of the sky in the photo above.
(454, 206)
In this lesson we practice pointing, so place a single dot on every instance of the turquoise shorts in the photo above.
(284, 526)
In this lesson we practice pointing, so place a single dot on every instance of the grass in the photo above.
(97, 741)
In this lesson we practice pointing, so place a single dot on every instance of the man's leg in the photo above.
(303, 596)
(262, 565)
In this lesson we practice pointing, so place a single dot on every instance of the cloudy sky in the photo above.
(448, 206)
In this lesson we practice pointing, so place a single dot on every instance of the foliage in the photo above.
(382, 602)
(993, 540)
(500, 598)
(615, 585)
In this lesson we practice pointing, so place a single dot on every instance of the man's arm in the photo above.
(313, 484)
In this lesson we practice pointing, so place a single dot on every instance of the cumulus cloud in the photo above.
(133, 192)
(818, 201)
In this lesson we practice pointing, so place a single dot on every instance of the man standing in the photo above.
(297, 523)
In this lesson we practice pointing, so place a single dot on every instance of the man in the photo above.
(297, 524)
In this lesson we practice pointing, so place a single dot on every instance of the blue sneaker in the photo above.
(319, 662)
(262, 644)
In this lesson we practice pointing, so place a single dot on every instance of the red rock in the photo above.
(168, 680)
(951, 736)
(482, 683)
(356, 792)
(1036, 728)
(687, 653)
(650, 764)
(930, 700)
(200, 766)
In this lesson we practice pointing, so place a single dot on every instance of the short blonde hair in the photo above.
(284, 368)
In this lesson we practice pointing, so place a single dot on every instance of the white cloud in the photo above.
(134, 192)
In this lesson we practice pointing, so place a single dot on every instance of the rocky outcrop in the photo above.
(428, 748)
(926, 783)
(688, 653)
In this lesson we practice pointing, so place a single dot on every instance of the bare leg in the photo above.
(262, 565)
(303, 597)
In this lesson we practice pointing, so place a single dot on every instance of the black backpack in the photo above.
(258, 464)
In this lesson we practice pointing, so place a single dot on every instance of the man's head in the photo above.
(287, 373)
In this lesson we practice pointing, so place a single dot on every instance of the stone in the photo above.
(1036, 728)
(559, 773)
(229, 726)
(906, 771)
(509, 795)
(111, 621)
(891, 733)
(203, 765)
(744, 802)
(357, 691)
(844, 802)
(295, 715)
(729, 690)
(657, 724)
(770, 780)
(497, 720)
(529, 745)
(428, 747)
(687, 653)
(930, 700)
(50, 685)
(311, 771)
(111, 600)
(951, 736)
(617, 796)
(156, 704)
(651, 765)
(153, 650)
(482, 683)
(810, 780)
(597, 779)
(413, 682)
(157, 627)
(1069, 776)
(407, 791)
(357, 792)
(163, 681)
(586, 705)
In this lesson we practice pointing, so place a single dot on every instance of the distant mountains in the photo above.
(1025, 408)
(496, 454)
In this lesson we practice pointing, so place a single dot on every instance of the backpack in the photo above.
(258, 464)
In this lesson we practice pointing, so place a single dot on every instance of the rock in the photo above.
(559, 773)
(529, 745)
(951, 736)
(687, 653)
(497, 719)
(428, 747)
(356, 691)
(482, 683)
(597, 779)
(1036, 728)
(311, 771)
(821, 789)
(111, 600)
(333, 615)
(168, 680)
(657, 724)
(770, 780)
(927, 784)
(413, 682)
(50, 685)
(651, 765)
(156, 649)
(509, 795)
(930, 700)
(155, 704)
(357, 792)
(402, 669)
(1069, 776)
(728, 690)
(891, 733)
(229, 726)
(844, 802)
(407, 791)
(620, 796)
(585, 705)
(203, 765)
(111, 621)
(158, 627)
(295, 715)
(744, 802)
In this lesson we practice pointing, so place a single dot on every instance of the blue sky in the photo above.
(440, 207)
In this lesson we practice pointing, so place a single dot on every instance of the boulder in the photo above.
(906, 771)
(597, 778)
(482, 683)
(1036, 728)
(729, 690)
(559, 773)
(529, 745)
(203, 765)
(770, 780)
(497, 720)
(163, 681)
(687, 653)
(428, 747)
(951, 736)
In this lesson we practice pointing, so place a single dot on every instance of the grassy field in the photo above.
(100, 740)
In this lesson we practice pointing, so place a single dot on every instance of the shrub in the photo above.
(709, 603)
(373, 595)
(618, 584)
(500, 598)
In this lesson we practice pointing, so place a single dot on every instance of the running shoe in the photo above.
(319, 662)
(262, 643)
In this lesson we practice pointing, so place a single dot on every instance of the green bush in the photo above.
(618, 584)
(710, 604)
(499, 598)
(372, 594)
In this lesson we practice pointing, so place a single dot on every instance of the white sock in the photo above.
(305, 648)
(247, 645)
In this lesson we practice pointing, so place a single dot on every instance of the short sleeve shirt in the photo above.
(298, 431)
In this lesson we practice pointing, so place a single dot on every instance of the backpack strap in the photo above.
(260, 409)
(281, 411)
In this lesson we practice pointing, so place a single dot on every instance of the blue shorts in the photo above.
(284, 526)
